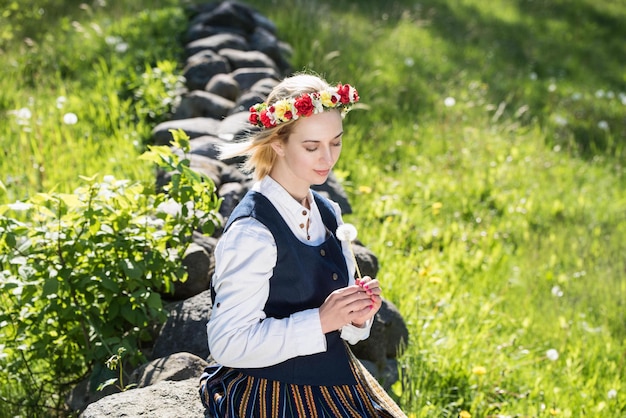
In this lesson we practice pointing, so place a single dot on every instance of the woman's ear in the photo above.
(277, 146)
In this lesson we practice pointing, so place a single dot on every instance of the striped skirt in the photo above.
(228, 393)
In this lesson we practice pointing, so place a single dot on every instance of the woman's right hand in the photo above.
(343, 306)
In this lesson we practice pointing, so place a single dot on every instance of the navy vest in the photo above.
(303, 278)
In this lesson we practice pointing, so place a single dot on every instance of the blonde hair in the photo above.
(258, 147)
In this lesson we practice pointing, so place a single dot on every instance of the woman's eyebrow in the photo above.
(317, 140)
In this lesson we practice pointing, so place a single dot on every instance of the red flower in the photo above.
(288, 115)
(344, 93)
(304, 105)
(254, 118)
(266, 119)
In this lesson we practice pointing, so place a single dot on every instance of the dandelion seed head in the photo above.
(556, 291)
(552, 354)
(346, 232)
(121, 47)
(61, 100)
(70, 118)
(560, 120)
(449, 101)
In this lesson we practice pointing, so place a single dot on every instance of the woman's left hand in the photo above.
(372, 288)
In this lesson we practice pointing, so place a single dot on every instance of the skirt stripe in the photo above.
(228, 393)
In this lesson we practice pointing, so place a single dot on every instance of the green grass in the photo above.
(499, 222)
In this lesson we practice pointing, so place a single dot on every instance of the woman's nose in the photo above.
(327, 155)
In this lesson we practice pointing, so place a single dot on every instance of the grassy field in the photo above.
(485, 168)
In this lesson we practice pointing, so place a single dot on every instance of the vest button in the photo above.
(304, 212)
(323, 252)
(335, 276)
(302, 226)
(218, 304)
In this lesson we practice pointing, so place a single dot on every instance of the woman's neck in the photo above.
(299, 193)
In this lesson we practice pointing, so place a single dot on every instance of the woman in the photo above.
(284, 294)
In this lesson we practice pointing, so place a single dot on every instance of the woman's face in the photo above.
(311, 151)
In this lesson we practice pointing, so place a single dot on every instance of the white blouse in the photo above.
(239, 333)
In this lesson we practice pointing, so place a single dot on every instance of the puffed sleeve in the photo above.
(239, 333)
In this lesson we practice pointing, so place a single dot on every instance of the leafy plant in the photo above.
(86, 273)
(113, 363)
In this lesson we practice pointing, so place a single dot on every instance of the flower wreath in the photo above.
(268, 116)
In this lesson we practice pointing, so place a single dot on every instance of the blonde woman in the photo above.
(285, 300)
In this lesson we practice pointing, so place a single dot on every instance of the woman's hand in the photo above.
(351, 305)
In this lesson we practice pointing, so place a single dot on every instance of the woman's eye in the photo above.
(337, 144)
(311, 149)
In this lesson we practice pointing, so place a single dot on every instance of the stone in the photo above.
(203, 104)
(185, 328)
(175, 367)
(229, 14)
(207, 145)
(217, 42)
(264, 86)
(232, 193)
(246, 77)
(224, 85)
(199, 266)
(194, 127)
(388, 337)
(367, 260)
(333, 190)
(236, 126)
(166, 399)
(203, 66)
(245, 101)
(246, 59)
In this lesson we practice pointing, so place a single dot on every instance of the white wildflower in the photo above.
(612, 394)
(560, 120)
(449, 101)
(70, 118)
(61, 100)
(556, 291)
(552, 354)
(19, 206)
(121, 47)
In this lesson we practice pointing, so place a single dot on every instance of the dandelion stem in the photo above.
(356, 265)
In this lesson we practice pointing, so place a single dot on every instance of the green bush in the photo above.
(85, 274)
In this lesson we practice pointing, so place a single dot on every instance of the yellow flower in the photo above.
(327, 98)
(280, 108)
(465, 414)
(479, 370)
(554, 411)
(437, 207)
